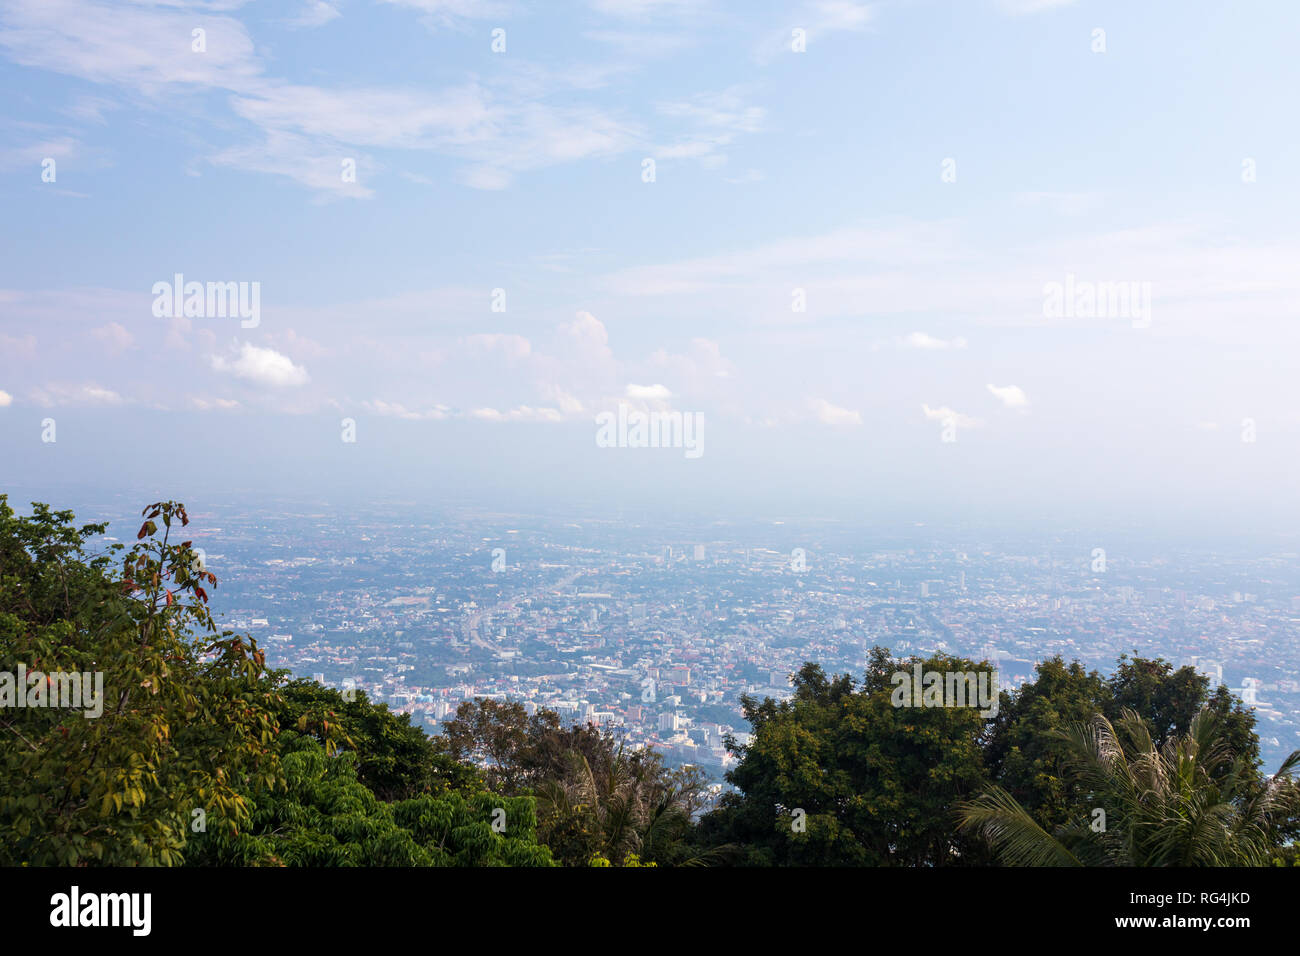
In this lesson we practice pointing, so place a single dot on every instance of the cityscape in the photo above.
(654, 631)
(713, 438)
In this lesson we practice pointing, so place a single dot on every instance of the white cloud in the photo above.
(14, 157)
(717, 119)
(315, 13)
(945, 414)
(1012, 396)
(642, 8)
(829, 414)
(640, 43)
(842, 14)
(567, 403)
(450, 13)
(114, 338)
(314, 164)
(513, 347)
(141, 47)
(725, 110)
(589, 335)
(305, 131)
(922, 340)
(818, 19)
(1016, 7)
(523, 413)
(263, 366)
(648, 393)
(397, 410)
(214, 404)
(5, 399)
(87, 394)
(373, 116)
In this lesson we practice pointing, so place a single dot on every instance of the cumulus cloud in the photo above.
(567, 403)
(585, 354)
(829, 414)
(511, 346)
(113, 337)
(263, 366)
(5, 399)
(945, 414)
(1012, 396)
(647, 393)
(588, 329)
(701, 366)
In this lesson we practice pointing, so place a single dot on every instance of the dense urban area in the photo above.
(657, 630)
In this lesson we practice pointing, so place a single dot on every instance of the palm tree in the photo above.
(1167, 806)
(629, 804)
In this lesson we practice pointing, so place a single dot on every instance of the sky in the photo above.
(841, 235)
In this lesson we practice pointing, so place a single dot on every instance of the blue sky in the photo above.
(776, 171)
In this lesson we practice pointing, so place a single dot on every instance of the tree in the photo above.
(1188, 802)
(493, 734)
(187, 715)
(594, 798)
(325, 816)
(395, 759)
(840, 776)
(1026, 755)
(627, 808)
(1029, 758)
(1170, 699)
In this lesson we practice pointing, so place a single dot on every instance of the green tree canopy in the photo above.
(187, 718)
(838, 775)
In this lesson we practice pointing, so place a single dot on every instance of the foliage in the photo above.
(201, 755)
(839, 776)
(1028, 755)
(326, 817)
(187, 716)
(594, 798)
(1190, 801)
(395, 759)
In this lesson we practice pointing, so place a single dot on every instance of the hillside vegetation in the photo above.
(201, 755)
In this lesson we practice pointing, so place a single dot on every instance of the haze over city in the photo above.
(727, 437)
